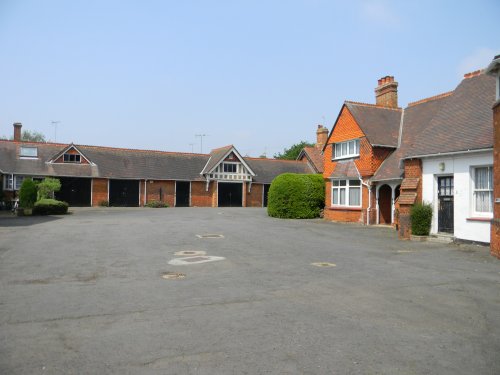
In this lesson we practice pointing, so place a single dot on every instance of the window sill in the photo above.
(344, 208)
(480, 219)
(346, 157)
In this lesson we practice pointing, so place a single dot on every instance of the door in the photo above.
(124, 193)
(75, 191)
(266, 192)
(445, 204)
(230, 194)
(182, 189)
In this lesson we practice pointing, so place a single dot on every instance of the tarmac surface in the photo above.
(94, 293)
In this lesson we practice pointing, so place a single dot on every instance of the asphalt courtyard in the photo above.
(90, 293)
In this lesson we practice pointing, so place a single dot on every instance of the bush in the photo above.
(421, 218)
(103, 203)
(156, 204)
(296, 196)
(48, 187)
(27, 193)
(50, 207)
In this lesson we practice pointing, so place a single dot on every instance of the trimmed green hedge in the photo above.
(296, 196)
(50, 207)
(27, 193)
(421, 217)
(156, 204)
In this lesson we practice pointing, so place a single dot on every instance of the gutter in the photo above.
(447, 153)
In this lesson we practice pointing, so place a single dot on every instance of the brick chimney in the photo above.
(386, 93)
(321, 137)
(17, 131)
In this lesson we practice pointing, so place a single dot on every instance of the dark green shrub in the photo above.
(156, 204)
(103, 203)
(296, 196)
(50, 207)
(48, 187)
(27, 193)
(421, 218)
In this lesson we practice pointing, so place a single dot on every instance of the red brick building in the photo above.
(92, 175)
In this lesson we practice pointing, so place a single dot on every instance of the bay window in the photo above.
(347, 149)
(346, 193)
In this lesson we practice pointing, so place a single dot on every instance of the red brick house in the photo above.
(91, 175)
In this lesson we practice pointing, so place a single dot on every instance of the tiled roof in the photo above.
(345, 169)
(314, 156)
(416, 119)
(464, 122)
(216, 156)
(380, 124)
(407, 198)
(410, 183)
(267, 169)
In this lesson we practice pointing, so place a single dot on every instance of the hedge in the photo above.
(27, 193)
(421, 217)
(296, 196)
(50, 207)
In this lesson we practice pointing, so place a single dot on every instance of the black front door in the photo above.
(182, 193)
(230, 194)
(266, 192)
(124, 193)
(75, 191)
(445, 209)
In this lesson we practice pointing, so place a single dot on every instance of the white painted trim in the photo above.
(448, 153)
(52, 161)
(91, 192)
(347, 195)
(241, 159)
(108, 191)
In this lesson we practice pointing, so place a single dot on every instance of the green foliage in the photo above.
(50, 207)
(32, 136)
(293, 152)
(296, 196)
(103, 203)
(421, 217)
(27, 193)
(48, 187)
(156, 204)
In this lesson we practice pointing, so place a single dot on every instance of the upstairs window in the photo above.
(483, 190)
(347, 149)
(71, 158)
(229, 168)
(28, 152)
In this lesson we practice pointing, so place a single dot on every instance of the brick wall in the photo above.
(202, 198)
(412, 169)
(495, 223)
(358, 215)
(99, 190)
(167, 192)
(254, 198)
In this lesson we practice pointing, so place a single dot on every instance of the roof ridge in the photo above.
(220, 148)
(372, 105)
(431, 98)
(475, 73)
(140, 150)
(271, 159)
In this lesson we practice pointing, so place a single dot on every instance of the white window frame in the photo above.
(226, 163)
(25, 155)
(337, 185)
(474, 190)
(12, 182)
(345, 150)
(75, 156)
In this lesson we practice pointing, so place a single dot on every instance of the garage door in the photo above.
(124, 193)
(75, 191)
(230, 194)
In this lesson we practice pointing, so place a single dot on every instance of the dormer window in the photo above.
(229, 167)
(71, 158)
(345, 150)
(28, 152)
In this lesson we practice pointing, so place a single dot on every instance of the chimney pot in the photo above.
(17, 131)
(386, 93)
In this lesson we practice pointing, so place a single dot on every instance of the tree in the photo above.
(293, 152)
(27, 193)
(48, 187)
(30, 136)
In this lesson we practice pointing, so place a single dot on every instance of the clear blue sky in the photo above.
(257, 74)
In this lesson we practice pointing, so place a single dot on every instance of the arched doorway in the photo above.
(385, 204)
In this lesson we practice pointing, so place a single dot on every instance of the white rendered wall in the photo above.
(460, 168)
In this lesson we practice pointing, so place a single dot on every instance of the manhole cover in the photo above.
(323, 264)
(172, 275)
(190, 253)
(194, 260)
(209, 236)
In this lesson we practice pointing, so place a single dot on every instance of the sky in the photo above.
(260, 75)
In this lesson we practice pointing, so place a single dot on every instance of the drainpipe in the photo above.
(369, 201)
(145, 193)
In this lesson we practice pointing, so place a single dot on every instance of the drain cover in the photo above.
(209, 236)
(323, 264)
(172, 275)
(190, 253)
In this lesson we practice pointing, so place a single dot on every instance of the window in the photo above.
(71, 158)
(11, 182)
(7, 182)
(229, 168)
(29, 152)
(483, 190)
(346, 193)
(347, 149)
